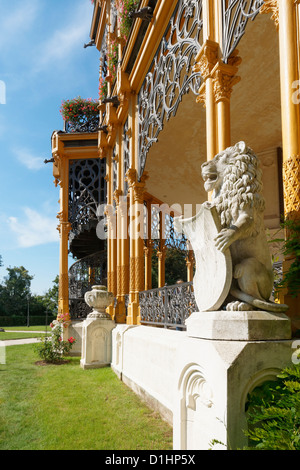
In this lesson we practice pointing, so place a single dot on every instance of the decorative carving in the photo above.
(291, 181)
(126, 154)
(271, 6)
(170, 75)
(224, 78)
(234, 177)
(99, 299)
(206, 59)
(139, 273)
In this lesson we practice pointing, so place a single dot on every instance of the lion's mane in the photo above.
(241, 189)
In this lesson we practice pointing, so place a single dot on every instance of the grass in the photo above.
(17, 332)
(67, 408)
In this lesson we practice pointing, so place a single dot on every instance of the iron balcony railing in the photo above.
(168, 306)
(84, 123)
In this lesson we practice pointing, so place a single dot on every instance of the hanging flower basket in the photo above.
(124, 8)
(103, 88)
(80, 115)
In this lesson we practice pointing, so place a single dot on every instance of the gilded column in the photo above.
(64, 230)
(224, 78)
(205, 62)
(286, 18)
(161, 255)
(137, 267)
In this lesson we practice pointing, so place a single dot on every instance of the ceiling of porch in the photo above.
(174, 162)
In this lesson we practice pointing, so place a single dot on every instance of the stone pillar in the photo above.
(97, 330)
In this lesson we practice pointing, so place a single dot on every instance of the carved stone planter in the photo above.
(99, 299)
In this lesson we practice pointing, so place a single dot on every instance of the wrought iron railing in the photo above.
(168, 306)
(83, 274)
(83, 123)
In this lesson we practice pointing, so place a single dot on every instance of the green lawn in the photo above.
(17, 332)
(63, 407)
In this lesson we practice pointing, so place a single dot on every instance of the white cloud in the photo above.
(16, 18)
(28, 159)
(61, 45)
(35, 229)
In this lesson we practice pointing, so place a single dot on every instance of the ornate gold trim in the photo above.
(272, 6)
(291, 182)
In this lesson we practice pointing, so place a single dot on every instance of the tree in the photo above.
(15, 291)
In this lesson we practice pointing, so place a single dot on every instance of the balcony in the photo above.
(80, 115)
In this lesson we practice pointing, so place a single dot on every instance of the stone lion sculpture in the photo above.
(235, 178)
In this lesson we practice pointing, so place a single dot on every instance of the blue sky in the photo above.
(42, 62)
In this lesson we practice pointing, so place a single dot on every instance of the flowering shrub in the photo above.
(74, 110)
(124, 7)
(52, 348)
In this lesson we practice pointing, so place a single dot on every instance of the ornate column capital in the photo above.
(224, 77)
(206, 59)
(272, 6)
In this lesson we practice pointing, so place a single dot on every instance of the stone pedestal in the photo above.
(254, 325)
(97, 343)
(97, 330)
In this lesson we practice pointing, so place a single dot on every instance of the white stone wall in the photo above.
(200, 386)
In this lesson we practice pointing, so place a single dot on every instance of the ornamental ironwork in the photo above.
(167, 306)
(235, 16)
(170, 75)
(83, 274)
(83, 123)
(87, 190)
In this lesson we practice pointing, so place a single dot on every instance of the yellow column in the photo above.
(111, 233)
(190, 265)
(161, 255)
(137, 263)
(148, 250)
(289, 79)
(224, 78)
(205, 62)
(64, 229)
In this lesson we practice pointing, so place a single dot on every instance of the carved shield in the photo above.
(213, 275)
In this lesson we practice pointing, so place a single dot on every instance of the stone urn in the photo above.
(99, 299)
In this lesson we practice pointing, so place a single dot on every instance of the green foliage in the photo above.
(124, 8)
(274, 413)
(15, 291)
(291, 249)
(16, 298)
(52, 348)
(175, 267)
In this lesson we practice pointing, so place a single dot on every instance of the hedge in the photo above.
(22, 320)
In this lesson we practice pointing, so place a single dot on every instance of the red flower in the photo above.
(71, 340)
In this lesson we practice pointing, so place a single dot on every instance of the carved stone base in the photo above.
(254, 325)
(96, 343)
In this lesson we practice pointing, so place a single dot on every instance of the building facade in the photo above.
(179, 82)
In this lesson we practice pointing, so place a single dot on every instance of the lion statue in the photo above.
(235, 180)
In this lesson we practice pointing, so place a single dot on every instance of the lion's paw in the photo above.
(238, 306)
